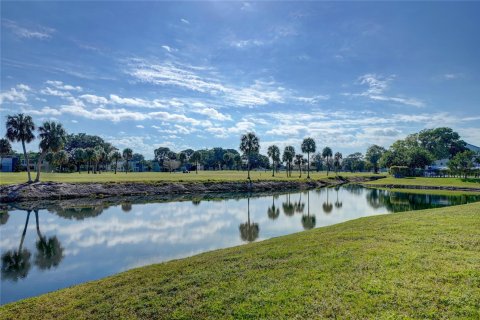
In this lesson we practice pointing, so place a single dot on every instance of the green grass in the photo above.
(421, 181)
(202, 176)
(422, 264)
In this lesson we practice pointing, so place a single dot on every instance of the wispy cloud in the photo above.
(39, 32)
(185, 21)
(377, 85)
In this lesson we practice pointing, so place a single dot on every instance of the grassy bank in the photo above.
(202, 176)
(421, 264)
(422, 181)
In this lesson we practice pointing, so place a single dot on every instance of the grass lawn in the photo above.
(422, 264)
(421, 181)
(202, 176)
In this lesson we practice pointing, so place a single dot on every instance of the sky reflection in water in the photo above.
(61, 247)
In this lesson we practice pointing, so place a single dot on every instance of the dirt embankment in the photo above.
(56, 191)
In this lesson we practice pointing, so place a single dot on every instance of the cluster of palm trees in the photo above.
(250, 144)
(95, 157)
(52, 136)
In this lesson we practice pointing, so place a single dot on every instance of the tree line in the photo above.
(72, 152)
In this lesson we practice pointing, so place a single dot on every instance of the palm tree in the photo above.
(249, 231)
(288, 155)
(79, 157)
(101, 156)
(274, 153)
(298, 161)
(308, 146)
(20, 128)
(52, 139)
(337, 161)
(61, 158)
(89, 156)
(288, 207)
(127, 155)
(249, 143)
(115, 155)
(327, 154)
(338, 204)
(196, 158)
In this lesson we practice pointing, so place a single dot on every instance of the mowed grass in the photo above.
(422, 265)
(202, 176)
(422, 181)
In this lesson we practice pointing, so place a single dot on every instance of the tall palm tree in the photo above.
(338, 161)
(308, 146)
(287, 157)
(101, 156)
(127, 155)
(115, 155)
(89, 156)
(52, 139)
(327, 154)
(249, 144)
(5, 149)
(20, 128)
(298, 161)
(61, 159)
(274, 153)
(78, 156)
(196, 158)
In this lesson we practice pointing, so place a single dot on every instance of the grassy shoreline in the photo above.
(421, 264)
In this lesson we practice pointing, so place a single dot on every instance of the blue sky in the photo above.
(200, 74)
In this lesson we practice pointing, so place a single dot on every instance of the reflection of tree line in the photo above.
(399, 201)
(16, 263)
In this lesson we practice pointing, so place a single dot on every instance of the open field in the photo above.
(421, 181)
(421, 264)
(202, 176)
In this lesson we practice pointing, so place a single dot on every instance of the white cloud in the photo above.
(168, 48)
(93, 99)
(140, 126)
(17, 94)
(61, 86)
(185, 21)
(313, 100)
(238, 128)
(212, 113)
(452, 76)
(39, 32)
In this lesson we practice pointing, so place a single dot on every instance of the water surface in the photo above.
(46, 247)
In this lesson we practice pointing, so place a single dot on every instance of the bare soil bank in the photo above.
(57, 191)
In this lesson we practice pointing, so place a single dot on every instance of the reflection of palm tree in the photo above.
(308, 222)
(338, 204)
(196, 202)
(79, 213)
(16, 263)
(327, 206)
(249, 231)
(299, 206)
(49, 251)
(273, 212)
(127, 206)
(374, 198)
(288, 207)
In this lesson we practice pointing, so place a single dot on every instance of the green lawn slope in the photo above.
(422, 264)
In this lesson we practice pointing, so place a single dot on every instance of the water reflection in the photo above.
(249, 230)
(16, 263)
(79, 240)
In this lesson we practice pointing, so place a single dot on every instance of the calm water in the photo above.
(55, 245)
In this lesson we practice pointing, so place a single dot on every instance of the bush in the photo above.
(399, 171)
